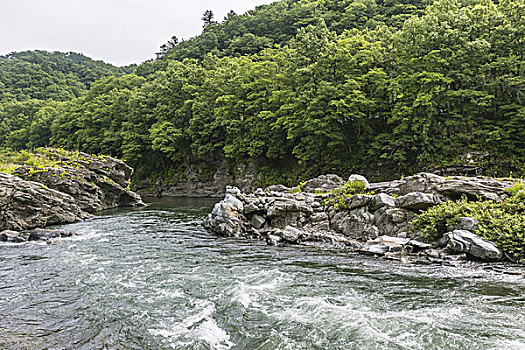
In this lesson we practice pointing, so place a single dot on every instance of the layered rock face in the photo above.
(67, 192)
(377, 222)
(96, 183)
(27, 204)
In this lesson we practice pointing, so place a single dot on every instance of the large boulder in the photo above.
(473, 188)
(381, 200)
(323, 184)
(227, 218)
(357, 224)
(27, 204)
(357, 201)
(418, 201)
(452, 187)
(463, 241)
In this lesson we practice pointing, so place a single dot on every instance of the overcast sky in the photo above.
(116, 31)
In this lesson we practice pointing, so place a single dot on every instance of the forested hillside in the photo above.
(299, 88)
(50, 75)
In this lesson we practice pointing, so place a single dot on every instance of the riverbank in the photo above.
(393, 219)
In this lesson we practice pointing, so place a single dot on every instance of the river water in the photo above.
(151, 278)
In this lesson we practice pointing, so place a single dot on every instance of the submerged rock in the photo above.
(44, 235)
(33, 235)
(13, 236)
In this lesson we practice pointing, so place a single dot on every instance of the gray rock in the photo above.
(25, 205)
(319, 217)
(357, 224)
(466, 223)
(278, 188)
(452, 187)
(356, 177)
(381, 200)
(357, 201)
(323, 183)
(463, 241)
(388, 244)
(90, 181)
(329, 238)
(379, 248)
(257, 221)
(273, 240)
(422, 182)
(44, 235)
(418, 201)
(226, 218)
(233, 191)
(250, 207)
(397, 215)
(473, 188)
(13, 236)
(290, 234)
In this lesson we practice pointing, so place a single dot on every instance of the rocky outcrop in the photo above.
(66, 190)
(28, 204)
(96, 183)
(452, 187)
(377, 222)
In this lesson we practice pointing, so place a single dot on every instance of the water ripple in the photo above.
(153, 279)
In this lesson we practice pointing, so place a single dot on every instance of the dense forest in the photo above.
(50, 75)
(297, 88)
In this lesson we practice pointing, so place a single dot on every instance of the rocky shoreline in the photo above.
(74, 187)
(377, 222)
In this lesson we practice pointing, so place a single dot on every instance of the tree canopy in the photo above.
(300, 88)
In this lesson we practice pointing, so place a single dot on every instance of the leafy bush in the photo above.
(337, 196)
(500, 222)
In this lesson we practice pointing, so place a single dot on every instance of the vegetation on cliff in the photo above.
(312, 87)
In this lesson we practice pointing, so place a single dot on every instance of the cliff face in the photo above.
(65, 188)
(195, 181)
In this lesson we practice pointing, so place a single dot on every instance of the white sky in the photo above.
(116, 31)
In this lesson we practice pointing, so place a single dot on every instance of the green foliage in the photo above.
(50, 75)
(500, 222)
(10, 161)
(297, 88)
(338, 196)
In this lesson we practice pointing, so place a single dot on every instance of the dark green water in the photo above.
(153, 279)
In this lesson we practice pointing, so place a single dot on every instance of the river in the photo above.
(152, 278)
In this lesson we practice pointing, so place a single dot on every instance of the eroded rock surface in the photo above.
(376, 223)
(463, 241)
(66, 192)
(96, 183)
(27, 204)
